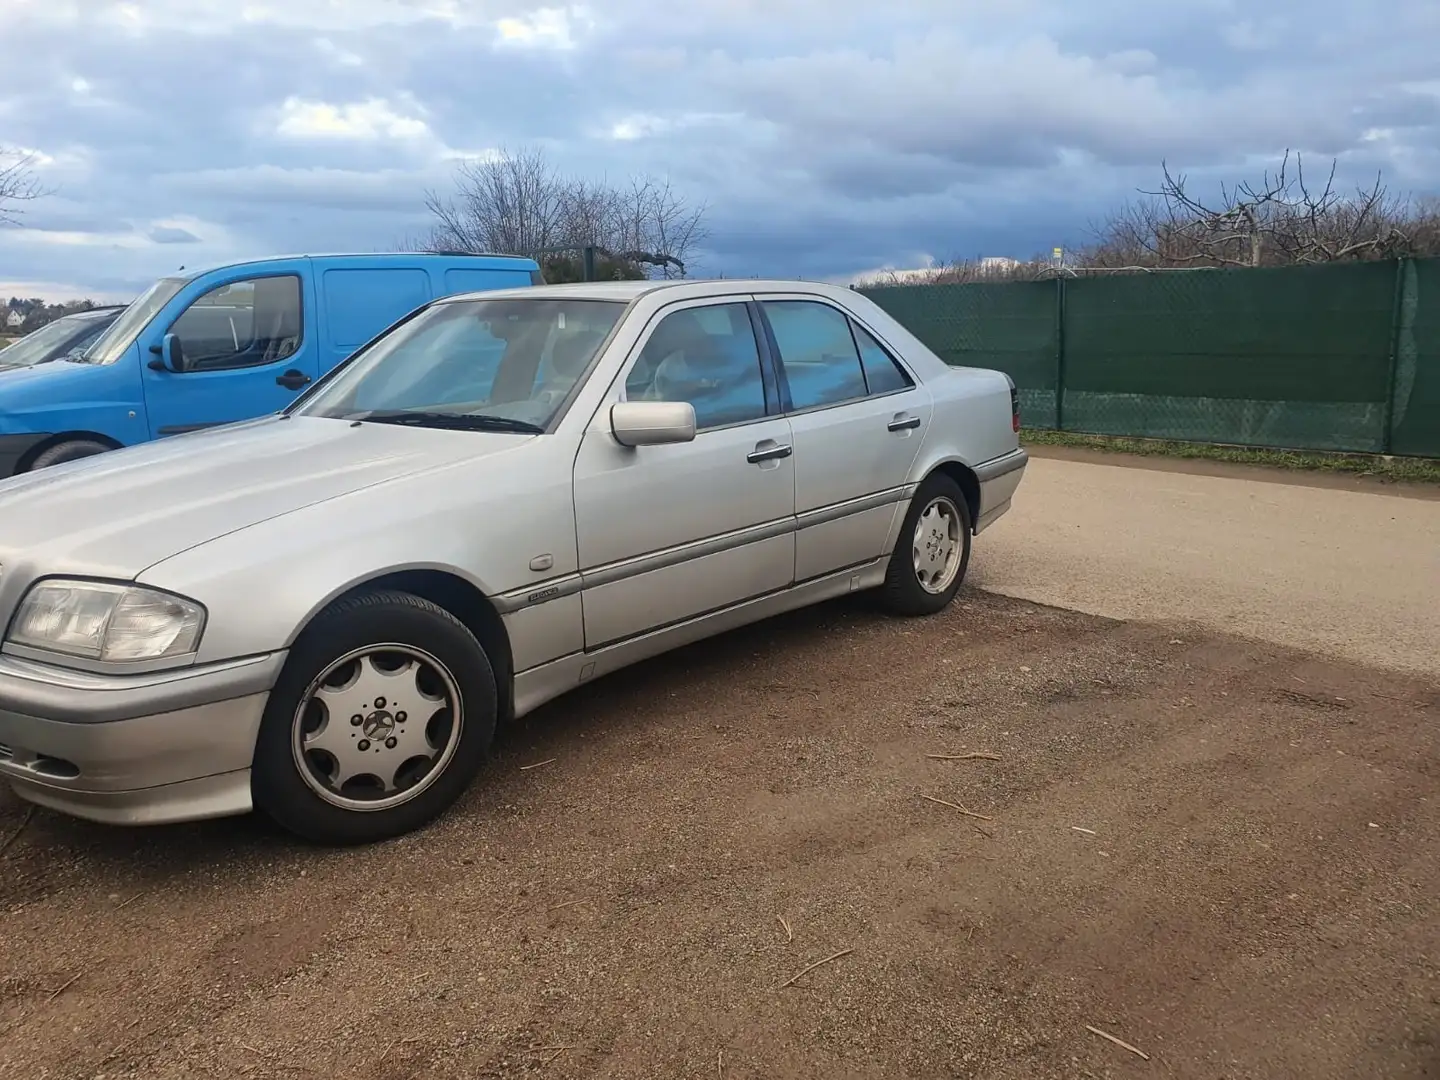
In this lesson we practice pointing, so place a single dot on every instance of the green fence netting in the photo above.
(1012, 328)
(1295, 357)
(1338, 357)
(1415, 419)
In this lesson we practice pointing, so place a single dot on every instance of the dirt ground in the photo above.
(1221, 852)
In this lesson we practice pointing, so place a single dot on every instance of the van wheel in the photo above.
(381, 717)
(70, 450)
(932, 551)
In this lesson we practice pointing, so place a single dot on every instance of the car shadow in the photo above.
(49, 848)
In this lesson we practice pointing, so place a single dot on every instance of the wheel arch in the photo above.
(462, 599)
(25, 462)
(964, 476)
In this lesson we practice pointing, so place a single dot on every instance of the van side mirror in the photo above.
(652, 423)
(172, 356)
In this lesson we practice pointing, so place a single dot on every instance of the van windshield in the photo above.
(111, 345)
(477, 364)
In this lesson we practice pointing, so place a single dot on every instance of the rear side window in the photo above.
(817, 351)
(882, 374)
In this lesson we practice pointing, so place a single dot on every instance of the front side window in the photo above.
(507, 364)
(707, 356)
(817, 352)
(242, 324)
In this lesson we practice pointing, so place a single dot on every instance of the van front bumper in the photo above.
(13, 448)
(134, 749)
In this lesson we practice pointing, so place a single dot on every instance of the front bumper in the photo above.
(15, 447)
(134, 749)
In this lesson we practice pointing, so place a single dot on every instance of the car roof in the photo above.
(627, 291)
(362, 256)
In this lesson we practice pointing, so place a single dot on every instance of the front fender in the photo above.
(261, 585)
(103, 399)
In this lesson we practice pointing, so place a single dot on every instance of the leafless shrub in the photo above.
(518, 203)
(965, 271)
(17, 184)
(1285, 219)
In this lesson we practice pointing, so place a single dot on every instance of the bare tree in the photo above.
(1282, 220)
(519, 203)
(17, 184)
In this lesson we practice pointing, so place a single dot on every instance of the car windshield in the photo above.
(503, 364)
(111, 345)
(43, 343)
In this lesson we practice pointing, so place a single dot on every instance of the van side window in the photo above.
(242, 324)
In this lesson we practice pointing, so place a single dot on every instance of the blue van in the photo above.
(225, 344)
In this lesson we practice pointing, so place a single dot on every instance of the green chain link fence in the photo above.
(1340, 357)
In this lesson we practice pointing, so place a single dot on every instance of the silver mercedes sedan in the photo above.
(326, 613)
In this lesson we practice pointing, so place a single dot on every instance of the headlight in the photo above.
(109, 623)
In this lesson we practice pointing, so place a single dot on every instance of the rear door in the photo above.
(249, 342)
(856, 416)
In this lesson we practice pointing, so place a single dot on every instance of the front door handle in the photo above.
(292, 379)
(901, 422)
(769, 451)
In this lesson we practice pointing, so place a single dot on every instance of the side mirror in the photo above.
(172, 355)
(652, 423)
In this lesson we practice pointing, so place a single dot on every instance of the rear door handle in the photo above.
(901, 422)
(292, 379)
(773, 452)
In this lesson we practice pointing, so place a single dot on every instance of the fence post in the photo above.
(1059, 353)
(1396, 314)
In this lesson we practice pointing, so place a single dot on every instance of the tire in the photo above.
(903, 592)
(70, 450)
(347, 654)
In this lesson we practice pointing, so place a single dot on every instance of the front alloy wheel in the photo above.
(381, 718)
(377, 727)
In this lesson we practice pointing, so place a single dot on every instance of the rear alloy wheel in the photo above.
(379, 722)
(932, 551)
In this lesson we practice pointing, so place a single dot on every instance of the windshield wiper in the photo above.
(450, 421)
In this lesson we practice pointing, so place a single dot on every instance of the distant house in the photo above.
(14, 320)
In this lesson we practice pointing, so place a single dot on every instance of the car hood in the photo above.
(116, 514)
(31, 384)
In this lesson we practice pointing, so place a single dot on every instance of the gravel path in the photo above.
(1351, 572)
(1221, 851)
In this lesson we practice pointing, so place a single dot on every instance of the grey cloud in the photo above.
(861, 134)
(165, 234)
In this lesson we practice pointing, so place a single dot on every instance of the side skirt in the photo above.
(546, 682)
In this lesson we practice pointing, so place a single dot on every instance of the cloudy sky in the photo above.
(826, 137)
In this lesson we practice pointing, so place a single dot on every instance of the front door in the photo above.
(667, 533)
(248, 348)
(857, 418)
